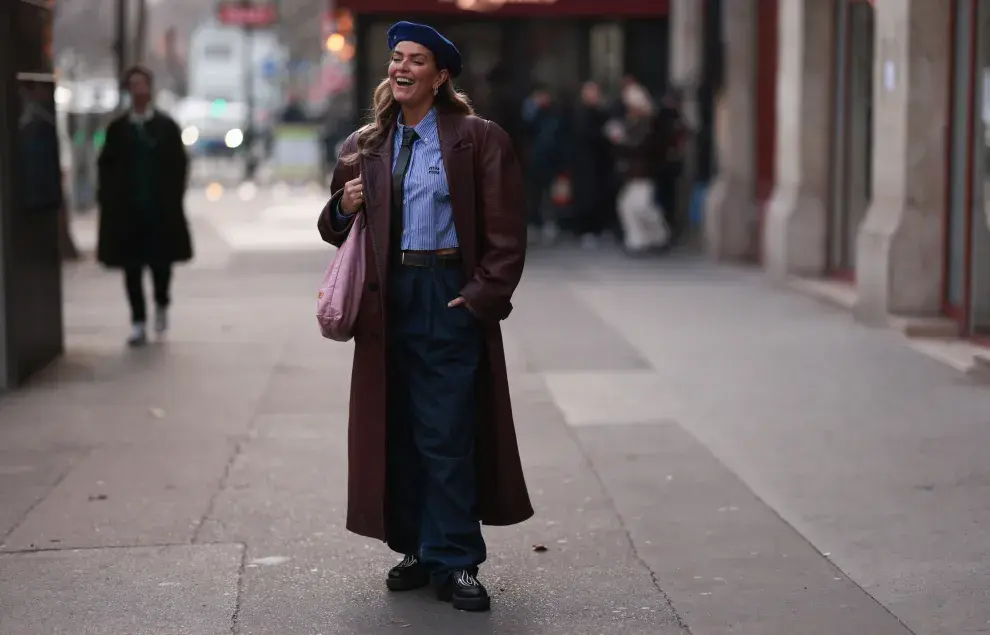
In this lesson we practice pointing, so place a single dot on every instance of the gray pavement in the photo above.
(707, 455)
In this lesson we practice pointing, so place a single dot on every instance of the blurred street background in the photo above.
(769, 416)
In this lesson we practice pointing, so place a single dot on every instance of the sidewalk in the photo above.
(704, 452)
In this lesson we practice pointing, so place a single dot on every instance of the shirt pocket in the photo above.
(436, 177)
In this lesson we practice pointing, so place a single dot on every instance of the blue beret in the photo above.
(446, 54)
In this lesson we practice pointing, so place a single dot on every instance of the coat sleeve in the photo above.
(181, 156)
(502, 248)
(107, 164)
(341, 175)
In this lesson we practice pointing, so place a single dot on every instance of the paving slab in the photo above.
(132, 496)
(287, 484)
(586, 581)
(871, 450)
(26, 478)
(727, 561)
(179, 590)
(559, 332)
(336, 592)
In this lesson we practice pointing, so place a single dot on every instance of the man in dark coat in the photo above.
(591, 165)
(142, 183)
(544, 139)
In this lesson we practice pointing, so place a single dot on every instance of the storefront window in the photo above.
(979, 313)
(959, 157)
(852, 156)
(606, 53)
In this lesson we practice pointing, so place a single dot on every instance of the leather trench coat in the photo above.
(488, 201)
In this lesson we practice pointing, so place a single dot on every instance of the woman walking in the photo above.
(432, 444)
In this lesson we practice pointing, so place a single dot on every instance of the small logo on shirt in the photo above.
(434, 169)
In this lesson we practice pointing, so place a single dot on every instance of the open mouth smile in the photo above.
(403, 81)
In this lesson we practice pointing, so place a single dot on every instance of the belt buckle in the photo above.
(411, 261)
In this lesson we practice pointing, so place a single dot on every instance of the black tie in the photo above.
(398, 179)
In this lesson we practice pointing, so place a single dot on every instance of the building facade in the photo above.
(30, 194)
(853, 145)
(509, 46)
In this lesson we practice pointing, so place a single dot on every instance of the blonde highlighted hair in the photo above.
(385, 110)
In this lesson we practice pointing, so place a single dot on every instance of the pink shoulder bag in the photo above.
(339, 298)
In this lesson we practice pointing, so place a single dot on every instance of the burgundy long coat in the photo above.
(487, 196)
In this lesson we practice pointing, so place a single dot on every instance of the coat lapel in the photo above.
(458, 162)
(377, 170)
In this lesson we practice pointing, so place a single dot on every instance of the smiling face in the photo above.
(413, 74)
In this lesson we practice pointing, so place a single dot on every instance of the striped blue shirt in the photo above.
(427, 215)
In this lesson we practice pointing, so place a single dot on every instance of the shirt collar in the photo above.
(144, 117)
(425, 129)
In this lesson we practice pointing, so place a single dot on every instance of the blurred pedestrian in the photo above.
(143, 171)
(543, 130)
(672, 131)
(642, 155)
(591, 165)
(433, 450)
(39, 159)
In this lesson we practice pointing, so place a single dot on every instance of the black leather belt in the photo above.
(428, 261)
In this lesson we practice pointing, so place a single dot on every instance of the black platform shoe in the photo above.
(407, 575)
(463, 590)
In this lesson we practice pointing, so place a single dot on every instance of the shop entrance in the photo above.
(852, 149)
(967, 264)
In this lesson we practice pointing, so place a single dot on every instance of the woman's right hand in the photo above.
(353, 196)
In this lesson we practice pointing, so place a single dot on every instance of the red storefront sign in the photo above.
(512, 8)
(251, 14)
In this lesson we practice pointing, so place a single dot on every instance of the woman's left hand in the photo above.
(460, 301)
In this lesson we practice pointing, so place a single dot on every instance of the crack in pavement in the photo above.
(243, 440)
(58, 481)
(590, 464)
(221, 485)
(628, 533)
(235, 617)
(157, 545)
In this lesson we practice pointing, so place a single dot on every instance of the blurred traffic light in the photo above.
(336, 42)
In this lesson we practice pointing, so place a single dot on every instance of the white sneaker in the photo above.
(139, 335)
(161, 319)
(550, 233)
(589, 241)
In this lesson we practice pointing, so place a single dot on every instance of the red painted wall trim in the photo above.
(949, 128)
(960, 313)
(767, 38)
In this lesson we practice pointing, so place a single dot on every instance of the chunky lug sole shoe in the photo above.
(464, 592)
(407, 575)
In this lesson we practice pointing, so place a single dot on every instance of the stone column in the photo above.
(795, 240)
(686, 40)
(899, 250)
(730, 211)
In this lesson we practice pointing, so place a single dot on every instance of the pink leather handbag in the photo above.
(339, 298)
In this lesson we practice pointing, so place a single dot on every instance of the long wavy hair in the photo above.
(385, 111)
